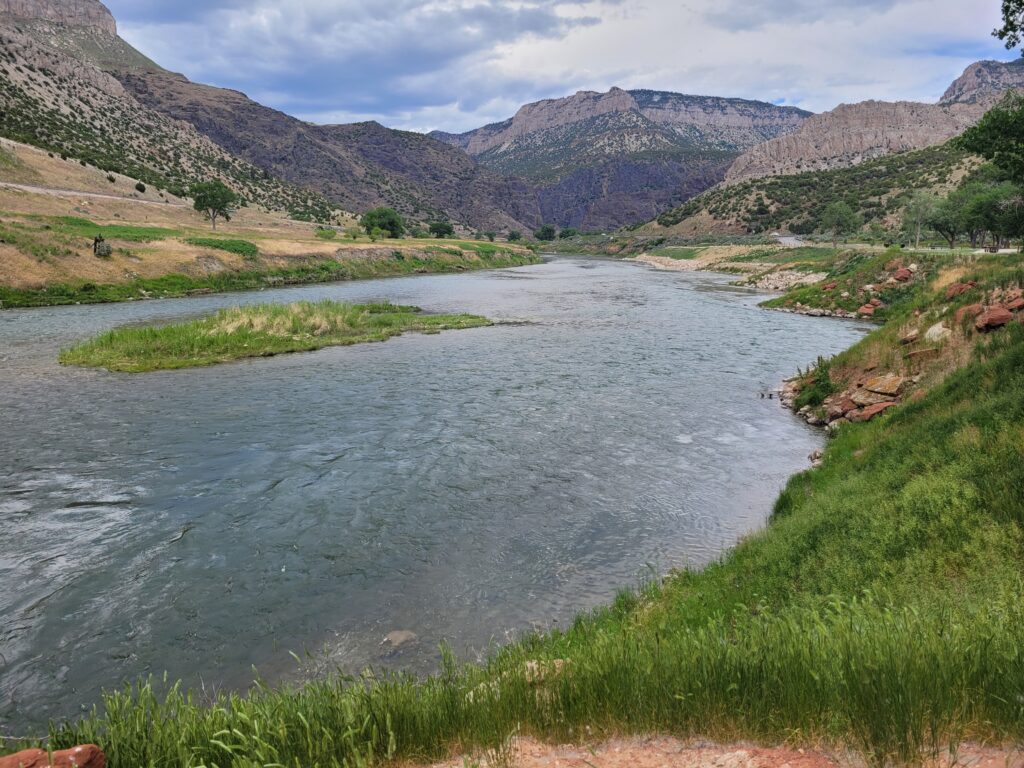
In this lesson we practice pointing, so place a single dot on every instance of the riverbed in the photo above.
(463, 487)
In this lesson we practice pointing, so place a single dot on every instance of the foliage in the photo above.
(490, 236)
(326, 233)
(440, 229)
(238, 247)
(387, 220)
(256, 331)
(1013, 23)
(214, 199)
(568, 232)
(546, 233)
(140, 187)
(918, 213)
(839, 220)
(999, 137)
(515, 236)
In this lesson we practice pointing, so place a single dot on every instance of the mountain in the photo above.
(855, 133)
(51, 98)
(70, 84)
(359, 166)
(601, 160)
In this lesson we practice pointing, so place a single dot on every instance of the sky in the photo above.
(455, 65)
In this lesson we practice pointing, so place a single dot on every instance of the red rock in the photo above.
(903, 275)
(1015, 305)
(875, 302)
(868, 413)
(992, 318)
(970, 311)
(867, 309)
(957, 289)
(829, 286)
(86, 756)
(847, 405)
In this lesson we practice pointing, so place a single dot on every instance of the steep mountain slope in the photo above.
(54, 100)
(74, 86)
(600, 160)
(359, 166)
(877, 189)
(855, 133)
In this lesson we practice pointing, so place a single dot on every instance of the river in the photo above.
(463, 487)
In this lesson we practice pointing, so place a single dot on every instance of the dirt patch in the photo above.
(662, 752)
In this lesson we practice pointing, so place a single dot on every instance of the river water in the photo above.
(463, 486)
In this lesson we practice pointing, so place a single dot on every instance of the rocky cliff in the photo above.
(854, 133)
(90, 14)
(601, 160)
(984, 80)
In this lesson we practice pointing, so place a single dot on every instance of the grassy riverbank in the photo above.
(358, 265)
(257, 331)
(881, 610)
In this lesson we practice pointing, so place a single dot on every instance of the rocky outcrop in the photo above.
(854, 133)
(601, 160)
(985, 79)
(73, 13)
(87, 756)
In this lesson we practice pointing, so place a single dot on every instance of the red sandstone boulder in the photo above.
(992, 318)
(970, 311)
(875, 302)
(1015, 305)
(958, 289)
(86, 756)
(868, 413)
(829, 286)
(903, 275)
(867, 310)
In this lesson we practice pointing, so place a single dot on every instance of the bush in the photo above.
(326, 233)
(111, 178)
(386, 220)
(140, 187)
(546, 233)
(515, 236)
(441, 229)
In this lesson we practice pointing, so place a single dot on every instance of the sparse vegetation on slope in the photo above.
(876, 190)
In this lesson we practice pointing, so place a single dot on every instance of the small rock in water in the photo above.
(399, 638)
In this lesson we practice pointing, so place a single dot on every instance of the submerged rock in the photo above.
(399, 638)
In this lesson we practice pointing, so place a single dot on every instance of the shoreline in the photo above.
(369, 264)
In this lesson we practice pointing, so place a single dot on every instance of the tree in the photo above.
(490, 235)
(1012, 31)
(214, 199)
(999, 137)
(441, 229)
(515, 236)
(568, 232)
(917, 214)
(546, 233)
(385, 219)
(839, 220)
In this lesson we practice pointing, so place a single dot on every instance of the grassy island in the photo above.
(261, 330)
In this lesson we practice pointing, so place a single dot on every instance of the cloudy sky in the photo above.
(459, 64)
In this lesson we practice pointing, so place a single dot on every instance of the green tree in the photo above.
(1012, 31)
(999, 137)
(568, 232)
(490, 235)
(546, 233)
(839, 220)
(441, 229)
(515, 236)
(387, 220)
(917, 214)
(214, 199)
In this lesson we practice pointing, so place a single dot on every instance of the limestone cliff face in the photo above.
(91, 14)
(601, 160)
(984, 80)
(853, 133)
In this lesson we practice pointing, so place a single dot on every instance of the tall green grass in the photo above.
(238, 247)
(881, 610)
(260, 330)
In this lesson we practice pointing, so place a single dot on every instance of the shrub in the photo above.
(441, 229)
(140, 187)
(386, 220)
(326, 233)
(111, 178)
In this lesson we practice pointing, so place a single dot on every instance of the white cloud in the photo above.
(457, 64)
